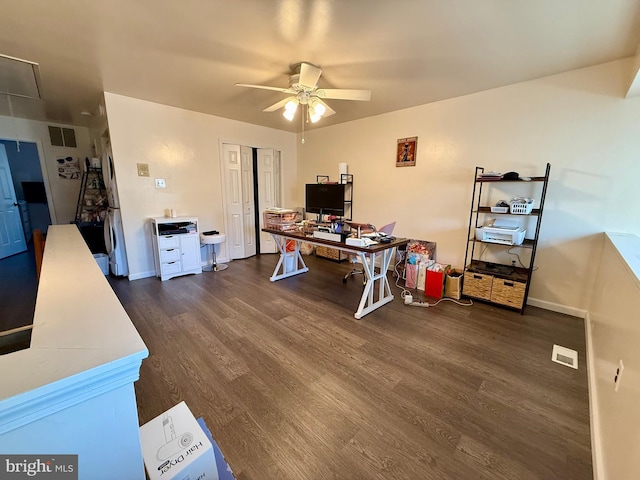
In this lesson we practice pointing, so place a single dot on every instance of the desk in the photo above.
(373, 297)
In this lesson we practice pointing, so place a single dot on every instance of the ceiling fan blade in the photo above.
(309, 75)
(328, 110)
(278, 105)
(344, 94)
(266, 87)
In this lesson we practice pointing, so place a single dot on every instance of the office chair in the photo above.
(388, 229)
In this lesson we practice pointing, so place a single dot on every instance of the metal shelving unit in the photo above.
(92, 198)
(497, 283)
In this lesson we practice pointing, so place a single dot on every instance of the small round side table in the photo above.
(211, 241)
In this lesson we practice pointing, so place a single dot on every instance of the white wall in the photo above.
(62, 193)
(183, 147)
(577, 121)
(614, 336)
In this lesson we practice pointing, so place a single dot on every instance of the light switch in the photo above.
(160, 183)
(143, 169)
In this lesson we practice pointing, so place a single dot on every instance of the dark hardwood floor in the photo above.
(293, 387)
(18, 288)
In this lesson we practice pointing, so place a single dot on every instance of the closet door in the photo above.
(239, 200)
(267, 193)
(233, 200)
(248, 208)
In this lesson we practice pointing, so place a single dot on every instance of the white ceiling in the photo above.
(190, 53)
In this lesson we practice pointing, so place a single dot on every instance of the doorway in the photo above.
(29, 186)
(252, 182)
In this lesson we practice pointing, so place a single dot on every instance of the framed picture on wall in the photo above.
(406, 152)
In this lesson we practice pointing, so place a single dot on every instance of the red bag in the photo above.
(435, 280)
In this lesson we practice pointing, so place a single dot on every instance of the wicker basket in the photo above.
(507, 292)
(477, 285)
(330, 253)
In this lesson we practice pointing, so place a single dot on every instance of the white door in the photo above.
(267, 194)
(11, 233)
(248, 207)
(233, 200)
(238, 180)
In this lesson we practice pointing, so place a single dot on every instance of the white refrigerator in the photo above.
(113, 233)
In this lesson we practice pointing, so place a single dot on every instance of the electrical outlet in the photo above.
(160, 183)
(618, 377)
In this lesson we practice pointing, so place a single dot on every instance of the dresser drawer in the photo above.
(171, 267)
(169, 255)
(168, 241)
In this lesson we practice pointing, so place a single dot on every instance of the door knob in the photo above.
(15, 204)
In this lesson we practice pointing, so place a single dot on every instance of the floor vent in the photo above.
(565, 356)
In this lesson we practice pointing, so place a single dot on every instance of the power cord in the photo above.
(408, 300)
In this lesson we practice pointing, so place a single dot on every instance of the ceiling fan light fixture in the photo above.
(316, 110)
(319, 109)
(290, 109)
(303, 88)
(313, 116)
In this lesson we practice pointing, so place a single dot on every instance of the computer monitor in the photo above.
(324, 198)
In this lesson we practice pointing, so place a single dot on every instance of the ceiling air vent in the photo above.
(62, 137)
(565, 356)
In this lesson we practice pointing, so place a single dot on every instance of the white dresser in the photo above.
(176, 246)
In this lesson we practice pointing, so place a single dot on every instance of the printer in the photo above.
(505, 232)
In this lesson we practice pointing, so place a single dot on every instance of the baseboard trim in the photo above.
(138, 276)
(596, 443)
(556, 307)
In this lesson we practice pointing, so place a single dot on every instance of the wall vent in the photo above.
(565, 356)
(62, 137)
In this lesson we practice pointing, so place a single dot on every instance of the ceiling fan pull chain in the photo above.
(302, 118)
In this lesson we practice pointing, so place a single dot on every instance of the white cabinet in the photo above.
(176, 246)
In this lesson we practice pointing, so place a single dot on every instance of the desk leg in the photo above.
(369, 301)
(291, 263)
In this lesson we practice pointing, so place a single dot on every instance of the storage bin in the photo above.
(281, 219)
(521, 208)
(507, 292)
(103, 262)
(330, 253)
(477, 285)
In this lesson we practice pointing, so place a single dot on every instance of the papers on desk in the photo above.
(360, 242)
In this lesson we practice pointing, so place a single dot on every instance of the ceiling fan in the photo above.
(303, 90)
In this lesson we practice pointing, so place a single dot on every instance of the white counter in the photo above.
(72, 390)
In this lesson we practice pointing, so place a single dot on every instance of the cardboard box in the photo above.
(174, 447)
(224, 470)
